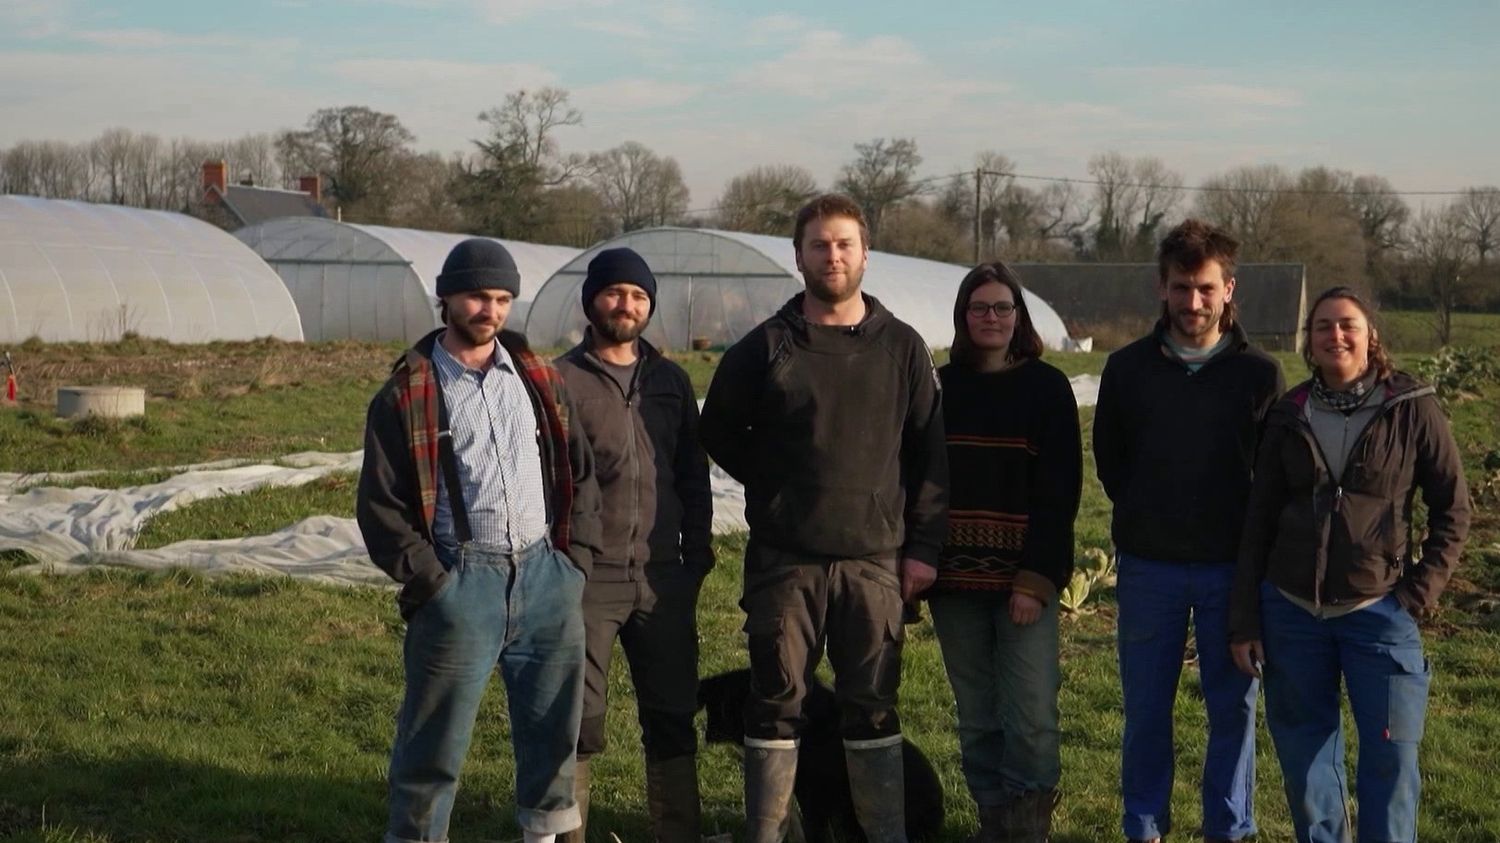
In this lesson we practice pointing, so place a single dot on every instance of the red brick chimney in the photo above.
(311, 185)
(215, 175)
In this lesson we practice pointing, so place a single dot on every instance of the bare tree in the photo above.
(1131, 198)
(1382, 221)
(255, 159)
(918, 229)
(113, 153)
(882, 174)
(1438, 249)
(525, 127)
(427, 199)
(50, 168)
(1479, 218)
(574, 215)
(502, 188)
(639, 188)
(1247, 202)
(358, 152)
(764, 200)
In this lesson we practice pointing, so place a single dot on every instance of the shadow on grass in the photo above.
(154, 798)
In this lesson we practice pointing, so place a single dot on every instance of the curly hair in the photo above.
(1379, 358)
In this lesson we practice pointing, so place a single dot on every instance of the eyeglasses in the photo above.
(1002, 309)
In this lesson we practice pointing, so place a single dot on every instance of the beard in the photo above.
(476, 333)
(1182, 320)
(619, 328)
(819, 288)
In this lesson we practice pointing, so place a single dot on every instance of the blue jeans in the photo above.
(524, 612)
(1156, 602)
(1005, 680)
(1378, 652)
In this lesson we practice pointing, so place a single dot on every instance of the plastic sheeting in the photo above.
(376, 283)
(717, 285)
(79, 272)
(72, 530)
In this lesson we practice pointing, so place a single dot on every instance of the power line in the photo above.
(1203, 188)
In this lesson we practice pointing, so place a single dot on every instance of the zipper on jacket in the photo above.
(633, 460)
(635, 468)
(1305, 427)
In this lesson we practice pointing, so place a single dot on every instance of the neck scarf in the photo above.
(1348, 400)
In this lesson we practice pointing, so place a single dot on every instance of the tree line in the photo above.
(517, 181)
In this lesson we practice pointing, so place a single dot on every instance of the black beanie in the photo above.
(617, 266)
(478, 264)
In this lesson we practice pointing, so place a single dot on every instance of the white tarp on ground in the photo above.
(72, 530)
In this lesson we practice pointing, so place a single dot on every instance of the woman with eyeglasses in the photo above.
(1333, 573)
(1015, 469)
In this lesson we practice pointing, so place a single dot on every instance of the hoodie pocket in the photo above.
(834, 520)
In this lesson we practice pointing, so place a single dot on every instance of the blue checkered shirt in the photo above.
(499, 459)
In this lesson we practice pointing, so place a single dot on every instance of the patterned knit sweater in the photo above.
(1016, 473)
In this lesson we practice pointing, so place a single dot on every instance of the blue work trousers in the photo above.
(1157, 601)
(1377, 652)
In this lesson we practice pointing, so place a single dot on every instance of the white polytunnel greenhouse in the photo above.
(372, 282)
(81, 272)
(714, 286)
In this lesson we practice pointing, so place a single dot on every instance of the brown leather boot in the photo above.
(581, 796)
(1031, 816)
(994, 824)
(672, 799)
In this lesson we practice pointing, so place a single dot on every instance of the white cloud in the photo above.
(451, 79)
(633, 94)
(826, 64)
(509, 11)
(159, 39)
(1238, 95)
(774, 27)
(33, 19)
(208, 98)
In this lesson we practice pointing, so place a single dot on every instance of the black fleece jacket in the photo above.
(652, 473)
(1175, 449)
(837, 434)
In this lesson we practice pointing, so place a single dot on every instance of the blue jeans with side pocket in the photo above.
(1377, 651)
(523, 612)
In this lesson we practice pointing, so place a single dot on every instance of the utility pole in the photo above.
(978, 180)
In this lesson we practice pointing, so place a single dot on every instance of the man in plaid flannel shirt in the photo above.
(478, 495)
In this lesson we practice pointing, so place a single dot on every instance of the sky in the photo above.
(1406, 90)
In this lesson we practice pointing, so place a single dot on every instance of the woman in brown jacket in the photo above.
(1330, 582)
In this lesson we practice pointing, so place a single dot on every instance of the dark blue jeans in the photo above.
(1157, 600)
(523, 612)
(1378, 653)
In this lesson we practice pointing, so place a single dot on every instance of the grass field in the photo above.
(180, 707)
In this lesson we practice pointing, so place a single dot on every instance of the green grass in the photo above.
(152, 707)
(1416, 330)
(255, 513)
(166, 707)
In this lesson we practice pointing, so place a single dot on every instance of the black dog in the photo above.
(822, 786)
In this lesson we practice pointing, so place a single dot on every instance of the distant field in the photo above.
(1416, 331)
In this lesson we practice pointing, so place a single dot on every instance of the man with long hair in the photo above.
(1175, 432)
